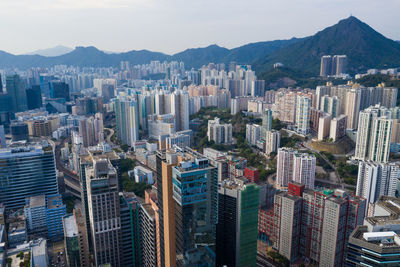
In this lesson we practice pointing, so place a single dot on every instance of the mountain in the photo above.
(52, 52)
(193, 58)
(364, 47)
(196, 57)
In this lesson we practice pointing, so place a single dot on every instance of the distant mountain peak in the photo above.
(51, 52)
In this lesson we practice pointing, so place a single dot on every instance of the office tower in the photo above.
(236, 242)
(148, 235)
(324, 126)
(284, 172)
(6, 113)
(26, 171)
(330, 104)
(340, 66)
(376, 179)
(288, 225)
(272, 141)
(59, 90)
(16, 89)
(71, 241)
(180, 108)
(377, 242)
(338, 128)
(2, 137)
(104, 212)
(374, 134)
(286, 106)
(266, 121)
(34, 97)
(45, 80)
(130, 229)
(258, 88)
(218, 132)
(304, 169)
(326, 66)
(303, 107)
(188, 210)
(75, 240)
(126, 115)
(253, 133)
(353, 98)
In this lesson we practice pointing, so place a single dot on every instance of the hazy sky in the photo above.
(170, 26)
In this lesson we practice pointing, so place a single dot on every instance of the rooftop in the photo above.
(70, 228)
(37, 201)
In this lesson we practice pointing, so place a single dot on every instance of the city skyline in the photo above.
(172, 26)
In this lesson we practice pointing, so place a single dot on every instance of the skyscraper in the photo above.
(272, 141)
(180, 108)
(341, 64)
(59, 90)
(238, 205)
(376, 179)
(374, 134)
(304, 169)
(104, 212)
(353, 98)
(26, 171)
(284, 171)
(303, 107)
(218, 132)
(34, 97)
(16, 89)
(326, 66)
(127, 119)
(187, 200)
(266, 122)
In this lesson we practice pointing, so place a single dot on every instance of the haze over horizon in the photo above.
(171, 26)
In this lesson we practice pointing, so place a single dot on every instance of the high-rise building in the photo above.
(284, 171)
(127, 119)
(130, 229)
(304, 169)
(253, 133)
(376, 179)
(26, 171)
(326, 66)
(303, 107)
(188, 209)
(76, 240)
(16, 89)
(286, 106)
(330, 104)
(2, 137)
(238, 206)
(295, 166)
(338, 127)
(59, 90)
(272, 141)
(148, 235)
(34, 97)
(324, 126)
(218, 132)
(180, 108)
(104, 212)
(374, 134)
(315, 224)
(353, 98)
(341, 64)
(257, 88)
(266, 122)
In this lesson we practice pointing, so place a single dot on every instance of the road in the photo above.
(108, 138)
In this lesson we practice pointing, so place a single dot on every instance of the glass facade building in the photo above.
(26, 171)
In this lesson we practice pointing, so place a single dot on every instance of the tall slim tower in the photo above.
(180, 108)
(353, 98)
(16, 89)
(104, 212)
